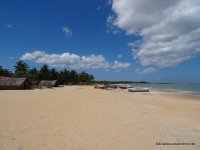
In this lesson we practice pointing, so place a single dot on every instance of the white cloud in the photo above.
(73, 61)
(169, 29)
(119, 65)
(111, 28)
(67, 31)
(94, 62)
(136, 44)
(146, 70)
(31, 56)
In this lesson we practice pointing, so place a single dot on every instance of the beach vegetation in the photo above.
(5, 72)
(64, 77)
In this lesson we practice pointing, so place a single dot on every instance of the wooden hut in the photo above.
(7, 83)
(48, 83)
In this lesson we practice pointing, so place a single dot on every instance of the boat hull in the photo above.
(138, 90)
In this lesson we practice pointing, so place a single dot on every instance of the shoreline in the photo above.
(148, 85)
(192, 93)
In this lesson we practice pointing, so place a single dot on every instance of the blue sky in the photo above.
(106, 38)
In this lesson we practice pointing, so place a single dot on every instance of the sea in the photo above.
(192, 88)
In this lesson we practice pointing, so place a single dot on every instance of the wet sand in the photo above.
(84, 118)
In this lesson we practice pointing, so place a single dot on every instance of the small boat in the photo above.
(113, 86)
(123, 86)
(137, 89)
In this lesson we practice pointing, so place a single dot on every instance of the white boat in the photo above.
(123, 86)
(138, 89)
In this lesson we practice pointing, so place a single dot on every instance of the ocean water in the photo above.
(193, 88)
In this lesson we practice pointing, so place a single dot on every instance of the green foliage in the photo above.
(53, 74)
(74, 77)
(21, 69)
(33, 74)
(85, 78)
(5, 72)
(46, 73)
(64, 77)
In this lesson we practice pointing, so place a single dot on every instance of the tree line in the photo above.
(22, 70)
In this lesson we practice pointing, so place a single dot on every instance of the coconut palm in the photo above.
(21, 69)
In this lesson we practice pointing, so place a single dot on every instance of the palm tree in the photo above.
(21, 69)
(33, 74)
(85, 78)
(63, 77)
(44, 72)
(5, 72)
(53, 74)
(74, 79)
(67, 76)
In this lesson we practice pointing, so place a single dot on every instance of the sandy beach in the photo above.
(84, 118)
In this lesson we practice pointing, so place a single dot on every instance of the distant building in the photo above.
(7, 83)
(48, 83)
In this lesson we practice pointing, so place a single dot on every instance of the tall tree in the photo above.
(5, 72)
(44, 72)
(21, 69)
(64, 77)
(85, 78)
(33, 74)
(67, 76)
(74, 79)
(53, 74)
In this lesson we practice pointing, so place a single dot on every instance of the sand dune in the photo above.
(84, 118)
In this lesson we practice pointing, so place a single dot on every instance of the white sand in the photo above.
(84, 118)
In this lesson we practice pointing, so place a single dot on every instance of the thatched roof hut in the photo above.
(7, 83)
(48, 83)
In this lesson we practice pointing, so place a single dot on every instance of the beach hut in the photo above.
(8, 83)
(48, 83)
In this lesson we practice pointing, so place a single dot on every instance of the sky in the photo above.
(128, 40)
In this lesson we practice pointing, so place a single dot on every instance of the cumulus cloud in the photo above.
(67, 31)
(31, 56)
(73, 61)
(119, 65)
(169, 29)
(147, 70)
(111, 28)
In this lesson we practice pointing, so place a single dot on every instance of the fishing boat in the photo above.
(123, 86)
(137, 89)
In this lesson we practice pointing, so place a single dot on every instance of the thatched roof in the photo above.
(48, 83)
(8, 83)
(11, 81)
(3, 77)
